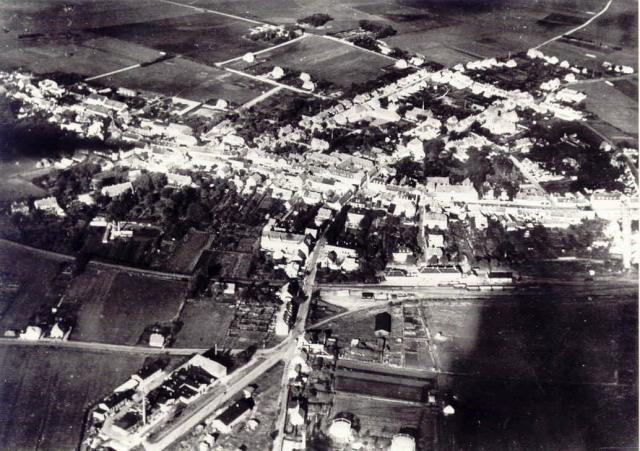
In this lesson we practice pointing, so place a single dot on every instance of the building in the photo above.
(402, 442)
(434, 220)
(290, 246)
(382, 324)
(340, 431)
(233, 414)
(49, 205)
(117, 189)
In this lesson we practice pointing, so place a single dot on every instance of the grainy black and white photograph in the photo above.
(323, 225)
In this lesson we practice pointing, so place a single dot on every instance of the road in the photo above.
(268, 49)
(579, 27)
(214, 400)
(296, 332)
(113, 72)
(212, 11)
(274, 83)
(98, 347)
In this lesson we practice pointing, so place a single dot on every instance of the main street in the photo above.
(296, 332)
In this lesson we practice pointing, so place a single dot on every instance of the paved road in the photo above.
(579, 27)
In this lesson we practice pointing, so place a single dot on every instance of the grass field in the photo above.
(205, 324)
(323, 59)
(45, 394)
(34, 291)
(115, 307)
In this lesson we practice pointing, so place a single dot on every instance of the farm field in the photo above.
(34, 16)
(204, 38)
(32, 292)
(552, 354)
(190, 80)
(115, 307)
(612, 106)
(205, 323)
(188, 251)
(84, 55)
(45, 394)
(323, 59)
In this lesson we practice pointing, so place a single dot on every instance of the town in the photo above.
(306, 269)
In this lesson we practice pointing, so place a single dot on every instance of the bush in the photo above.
(380, 30)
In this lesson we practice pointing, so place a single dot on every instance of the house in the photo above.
(402, 254)
(31, 333)
(292, 246)
(157, 340)
(433, 220)
(353, 219)
(19, 207)
(212, 367)
(60, 331)
(233, 414)
(402, 442)
(49, 205)
(435, 240)
(117, 189)
(382, 324)
(178, 179)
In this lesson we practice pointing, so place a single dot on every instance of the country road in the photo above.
(98, 347)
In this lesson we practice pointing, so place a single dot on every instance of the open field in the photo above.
(115, 307)
(323, 59)
(205, 38)
(205, 324)
(33, 16)
(612, 106)
(190, 80)
(529, 360)
(45, 394)
(33, 291)
(86, 55)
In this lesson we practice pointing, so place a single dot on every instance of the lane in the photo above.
(260, 98)
(212, 11)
